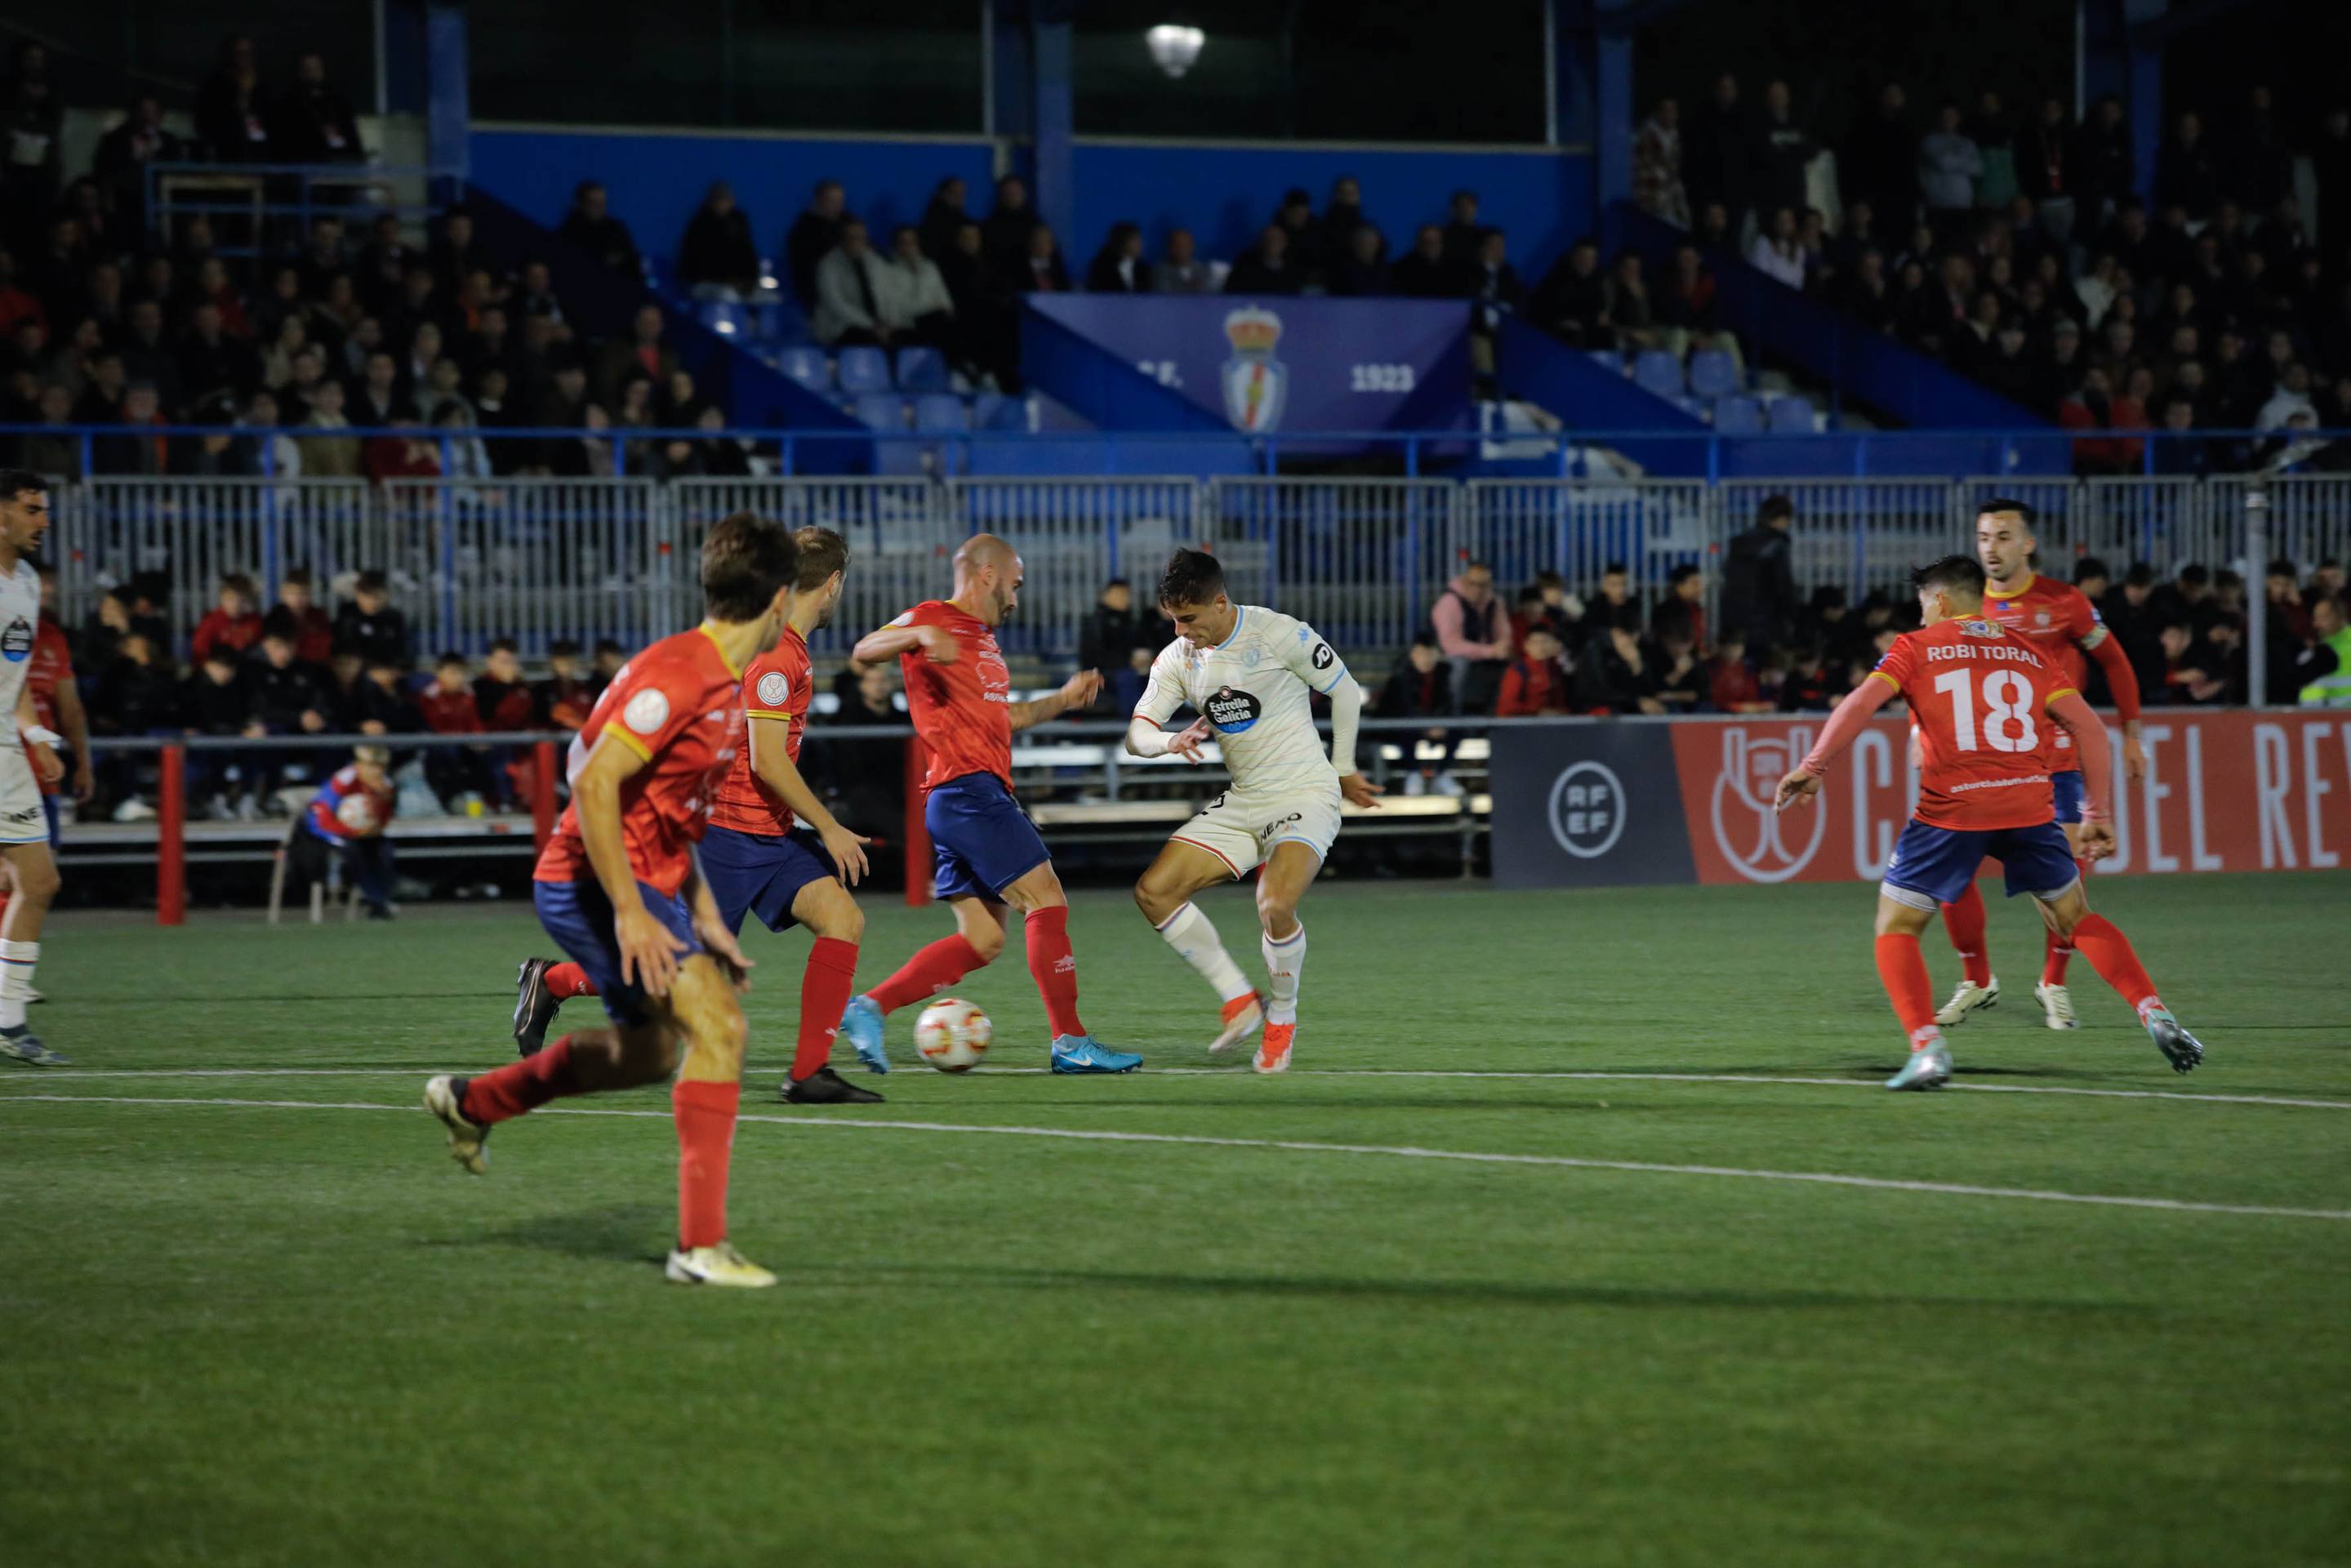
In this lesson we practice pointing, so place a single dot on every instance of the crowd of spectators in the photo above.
(278, 357)
(2010, 241)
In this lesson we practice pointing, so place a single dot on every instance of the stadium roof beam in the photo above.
(1589, 77)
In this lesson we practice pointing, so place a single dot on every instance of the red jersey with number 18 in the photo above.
(1981, 699)
(963, 711)
(776, 686)
(679, 705)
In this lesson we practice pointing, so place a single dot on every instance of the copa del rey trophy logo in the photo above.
(1256, 383)
(1761, 843)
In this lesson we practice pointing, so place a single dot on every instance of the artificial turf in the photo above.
(261, 1334)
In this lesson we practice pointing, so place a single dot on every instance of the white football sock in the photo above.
(1283, 959)
(1194, 940)
(16, 961)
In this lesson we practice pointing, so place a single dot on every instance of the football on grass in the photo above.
(952, 1034)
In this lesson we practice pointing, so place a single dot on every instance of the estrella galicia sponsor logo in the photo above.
(1255, 384)
(1746, 823)
(1232, 712)
(1587, 809)
(17, 643)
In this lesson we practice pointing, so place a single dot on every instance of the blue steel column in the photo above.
(1054, 119)
(448, 111)
(2123, 55)
(1592, 85)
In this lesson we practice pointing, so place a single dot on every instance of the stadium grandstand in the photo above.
(1589, 384)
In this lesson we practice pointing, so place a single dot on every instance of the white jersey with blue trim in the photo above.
(1253, 688)
(20, 622)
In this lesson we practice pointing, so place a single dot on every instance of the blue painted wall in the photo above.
(1223, 193)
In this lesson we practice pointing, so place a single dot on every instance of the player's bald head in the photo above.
(984, 552)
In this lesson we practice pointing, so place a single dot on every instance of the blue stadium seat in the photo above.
(1657, 372)
(994, 411)
(806, 366)
(879, 410)
(1713, 374)
(1793, 416)
(863, 370)
(940, 410)
(922, 370)
(726, 321)
(1738, 416)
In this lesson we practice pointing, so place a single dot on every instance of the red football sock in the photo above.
(520, 1086)
(2109, 953)
(927, 973)
(565, 981)
(825, 988)
(1963, 921)
(1054, 967)
(705, 1112)
(1903, 969)
(2056, 951)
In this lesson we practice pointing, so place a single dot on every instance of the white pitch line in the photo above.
(1564, 1075)
(1293, 1145)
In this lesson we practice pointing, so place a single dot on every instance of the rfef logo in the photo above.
(1587, 809)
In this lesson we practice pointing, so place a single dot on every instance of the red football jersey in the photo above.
(679, 705)
(776, 686)
(1979, 699)
(2058, 621)
(963, 711)
(52, 663)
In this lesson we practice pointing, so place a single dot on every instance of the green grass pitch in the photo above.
(290, 1332)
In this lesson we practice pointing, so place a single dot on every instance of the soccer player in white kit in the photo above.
(24, 829)
(1250, 674)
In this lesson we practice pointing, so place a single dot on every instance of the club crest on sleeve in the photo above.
(774, 687)
(647, 711)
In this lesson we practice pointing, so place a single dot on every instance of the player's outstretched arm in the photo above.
(771, 759)
(2096, 756)
(1076, 692)
(1804, 781)
(648, 950)
(1147, 740)
(2123, 682)
(1347, 715)
(937, 643)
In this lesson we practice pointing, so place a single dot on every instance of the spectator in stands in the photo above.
(368, 624)
(590, 226)
(137, 693)
(1473, 631)
(1119, 267)
(139, 451)
(313, 123)
(287, 697)
(2009, 368)
(1181, 271)
(1995, 138)
(123, 155)
(1362, 271)
(2100, 164)
(1780, 152)
(296, 614)
(1422, 273)
(2290, 403)
(1537, 681)
(504, 700)
(815, 235)
(328, 455)
(217, 700)
(1296, 217)
(868, 777)
(1810, 686)
(2187, 176)
(916, 304)
(644, 351)
(1462, 231)
(379, 704)
(1265, 267)
(454, 255)
(234, 622)
(2182, 455)
(1731, 686)
(1625, 298)
(1613, 605)
(1715, 159)
(1683, 604)
(986, 336)
(1341, 219)
(1775, 253)
(58, 455)
(1616, 676)
(1685, 685)
(2321, 668)
(447, 707)
(1570, 303)
(1112, 630)
(1491, 285)
(232, 109)
(1949, 164)
(211, 361)
(1421, 686)
(535, 294)
(1657, 164)
(377, 399)
(1759, 585)
(716, 258)
(565, 696)
(1006, 232)
(1043, 272)
(1879, 167)
(942, 216)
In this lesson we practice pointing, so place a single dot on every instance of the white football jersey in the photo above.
(1252, 688)
(20, 620)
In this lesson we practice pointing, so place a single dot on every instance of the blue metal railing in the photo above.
(295, 193)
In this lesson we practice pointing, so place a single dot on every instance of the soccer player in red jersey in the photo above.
(619, 889)
(986, 851)
(1979, 697)
(2058, 621)
(753, 858)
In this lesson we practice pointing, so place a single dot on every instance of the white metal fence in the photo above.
(1363, 558)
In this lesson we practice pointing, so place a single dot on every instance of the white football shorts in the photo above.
(1242, 830)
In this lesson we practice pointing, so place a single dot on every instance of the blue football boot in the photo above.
(1929, 1066)
(1079, 1053)
(861, 1021)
